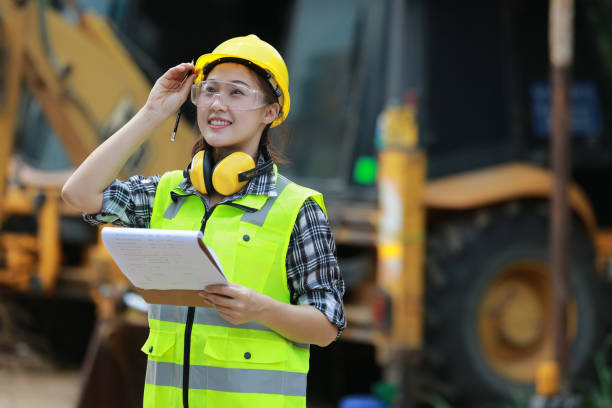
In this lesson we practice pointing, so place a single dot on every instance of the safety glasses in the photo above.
(234, 95)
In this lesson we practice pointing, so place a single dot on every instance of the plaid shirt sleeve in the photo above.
(127, 203)
(313, 274)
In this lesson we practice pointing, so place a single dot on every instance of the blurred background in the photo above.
(426, 124)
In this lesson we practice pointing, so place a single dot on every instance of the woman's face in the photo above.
(228, 130)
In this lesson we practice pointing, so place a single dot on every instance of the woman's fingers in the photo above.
(171, 90)
(184, 66)
(230, 289)
(232, 300)
(175, 76)
(226, 307)
(219, 300)
(227, 311)
(229, 316)
(206, 303)
(178, 72)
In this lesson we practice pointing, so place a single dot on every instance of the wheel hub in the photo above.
(515, 320)
(519, 323)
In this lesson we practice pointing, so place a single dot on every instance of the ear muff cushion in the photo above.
(225, 173)
(196, 173)
(207, 170)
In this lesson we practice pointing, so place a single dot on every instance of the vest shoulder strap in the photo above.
(285, 206)
(171, 179)
(166, 184)
(300, 191)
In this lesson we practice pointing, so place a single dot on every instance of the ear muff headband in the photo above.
(256, 171)
(226, 177)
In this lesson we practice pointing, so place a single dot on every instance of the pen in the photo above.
(178, 114)
(176, 122)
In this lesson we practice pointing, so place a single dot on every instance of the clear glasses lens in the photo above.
(234, 95)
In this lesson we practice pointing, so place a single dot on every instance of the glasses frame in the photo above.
(201, 84)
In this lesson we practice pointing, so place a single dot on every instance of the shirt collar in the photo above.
(264, 184)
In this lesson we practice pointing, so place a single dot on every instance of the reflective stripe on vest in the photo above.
(259, 217)
(228, 379)
(250, 235)
(207, 316)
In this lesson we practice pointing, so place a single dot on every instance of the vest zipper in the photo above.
(188, 328)
(186, 353)
(240, 207)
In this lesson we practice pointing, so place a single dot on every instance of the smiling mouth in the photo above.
(217, 122)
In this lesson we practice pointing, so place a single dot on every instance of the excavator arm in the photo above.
(85, 81)
(87, 87)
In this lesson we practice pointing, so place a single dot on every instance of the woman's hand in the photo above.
(235, 303)
(299, 323)
(170, 91)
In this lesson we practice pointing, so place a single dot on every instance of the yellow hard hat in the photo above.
(251, 50)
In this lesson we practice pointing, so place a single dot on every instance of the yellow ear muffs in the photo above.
(223, 177)
(225, 174)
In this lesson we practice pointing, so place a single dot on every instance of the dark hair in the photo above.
(265, 142)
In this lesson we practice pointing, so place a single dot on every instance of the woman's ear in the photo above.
(271, 113)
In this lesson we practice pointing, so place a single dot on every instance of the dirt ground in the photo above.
(44, 387)
(28, 387)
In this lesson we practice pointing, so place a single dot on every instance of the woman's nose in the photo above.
(217, 102)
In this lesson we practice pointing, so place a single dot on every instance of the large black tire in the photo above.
(464, 255)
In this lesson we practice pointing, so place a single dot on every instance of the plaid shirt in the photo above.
(313, 275)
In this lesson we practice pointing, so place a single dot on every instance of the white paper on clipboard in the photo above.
(163, 259)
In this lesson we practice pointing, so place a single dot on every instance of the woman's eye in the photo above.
(237, 91)
(210, 89)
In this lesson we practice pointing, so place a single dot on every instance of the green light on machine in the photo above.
(365, 170)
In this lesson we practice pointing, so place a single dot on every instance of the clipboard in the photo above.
(165, 266)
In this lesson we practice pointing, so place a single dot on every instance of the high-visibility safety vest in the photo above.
(195, 357)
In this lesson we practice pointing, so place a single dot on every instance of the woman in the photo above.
(250, 347)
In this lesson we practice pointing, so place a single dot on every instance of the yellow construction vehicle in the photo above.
(445, 248)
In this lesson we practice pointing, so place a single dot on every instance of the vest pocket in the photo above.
(254, 259)
(159, 344)
(246, 351)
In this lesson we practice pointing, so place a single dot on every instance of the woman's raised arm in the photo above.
(84, 189)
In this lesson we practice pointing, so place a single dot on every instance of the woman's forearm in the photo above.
(84, 189)
(298, 323)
